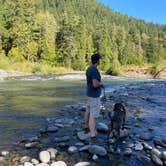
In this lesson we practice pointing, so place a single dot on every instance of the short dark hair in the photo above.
(95, 58)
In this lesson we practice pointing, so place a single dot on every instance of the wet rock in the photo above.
(102, 127)
(53, 152)
(84, 148)
(3, 161)
(130, 145)
(147, 147)
(111, 149)
(111, 141)
(164, 155)
(156, 152)
(98, 150)
(95, 157)
(138, 146)
(146, 136)
(72, 149)
(62, 139)
(42, 164)
(44, 156)
(83, 136)
(34, 161)
(58, 163)
(158, 142)
(52, 129)
(79, 144)
(124, 133)
(156, 160)
(128, 152)
(83, 108)
(28, 164)
(25, 159)
(82, 164)
(31, 145)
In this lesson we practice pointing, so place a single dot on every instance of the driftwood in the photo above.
(156, 74)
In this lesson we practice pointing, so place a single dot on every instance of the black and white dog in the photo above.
(117, 119)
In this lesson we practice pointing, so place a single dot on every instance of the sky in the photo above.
(149, 10)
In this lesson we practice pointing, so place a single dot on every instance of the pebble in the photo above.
(35, 161)
(58, 163)
(156, 160)
(138, 146)
(5, 153)
(98, 150)
(25, 159)
(84, 163)
(147, 147)
(53, 152)
(95, 157)
(72, 149)
(28, 164)
(44, 156)
(128, 152)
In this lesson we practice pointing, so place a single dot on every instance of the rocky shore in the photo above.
(63, 142)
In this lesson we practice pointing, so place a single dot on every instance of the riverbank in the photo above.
(62, 141)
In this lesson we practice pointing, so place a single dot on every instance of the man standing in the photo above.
(94, 85)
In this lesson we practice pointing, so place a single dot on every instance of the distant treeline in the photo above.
(66, 33)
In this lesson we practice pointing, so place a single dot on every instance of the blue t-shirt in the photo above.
(93, 73)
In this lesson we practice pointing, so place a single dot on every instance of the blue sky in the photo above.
(148, 10)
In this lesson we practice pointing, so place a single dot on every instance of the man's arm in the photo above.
(97, 83)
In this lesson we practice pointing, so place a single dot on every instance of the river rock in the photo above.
(98, 150)
(28, 164)
(164, 155)
(79, 144)
(44, 156)
(62, 139)
(84, 148)
(158, 142)
(5, 153)
(72, 149)
(42, 164)
(95, 157)
(102, 127)
(156, 160)
(31, 144)
(156, 152)
(138, 146)
(52, 129)
(111, 149)
(83, 163)
(124, 133)
(53, 152)
(111, 141)
(2, 161)
(128, 152)
(146, 136)
(130, 145)
(83, 136)
(147, 147)
(25, 159)
(34, 161)
(58, 163)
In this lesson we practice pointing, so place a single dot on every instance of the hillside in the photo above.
(66, 32)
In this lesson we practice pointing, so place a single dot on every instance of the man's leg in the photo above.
(86, 125)
(92, 126)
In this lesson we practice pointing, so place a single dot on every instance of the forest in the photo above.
(65, 33)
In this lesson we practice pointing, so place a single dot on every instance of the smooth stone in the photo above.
(98, 150)
(52, 129)
(44, 156)
(146, 136)
(84, 148)
(147, 147)
(72, 149)
(138, 146)
(53, 152)
(42, 164)
(82, 136)
(2, 161)
(156, 160)
(59, 125)
(5, 153)
(130, 145)
(34, 161)
(33, 139)
(25, 159)
(62, 139)
(128, 152)
(79, 144)
(58, 163)
(124, 133)
(95, 157)
(31, 145)
(102, 127)
(111, 149)
(111, 141)
(156, 152)
(83, 163)
(164, 155)
(159, 143)
(28, 164)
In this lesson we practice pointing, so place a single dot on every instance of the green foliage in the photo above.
(67, 32)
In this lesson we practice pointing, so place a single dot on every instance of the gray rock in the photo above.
(156, 160)
(52, 129)
(130, 145)
(79, 144)
(128, 152)
(102, 127)
(99, 150)
(124, 133)
(84, 163)
(44, 156)
(5, 153)
(28, 164)
(156, 152)
(83, 136)
(58, 163)
(62, 139)
(72, 149)
(53, 152)
(31, 144)
(84, 148)
(164, 155)
(147, 147)
(111, 149)
(158, 142)
(95, 157)
(25, 159)
(138, 146)
(111, 141)
(42, 164)
(146, 136)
